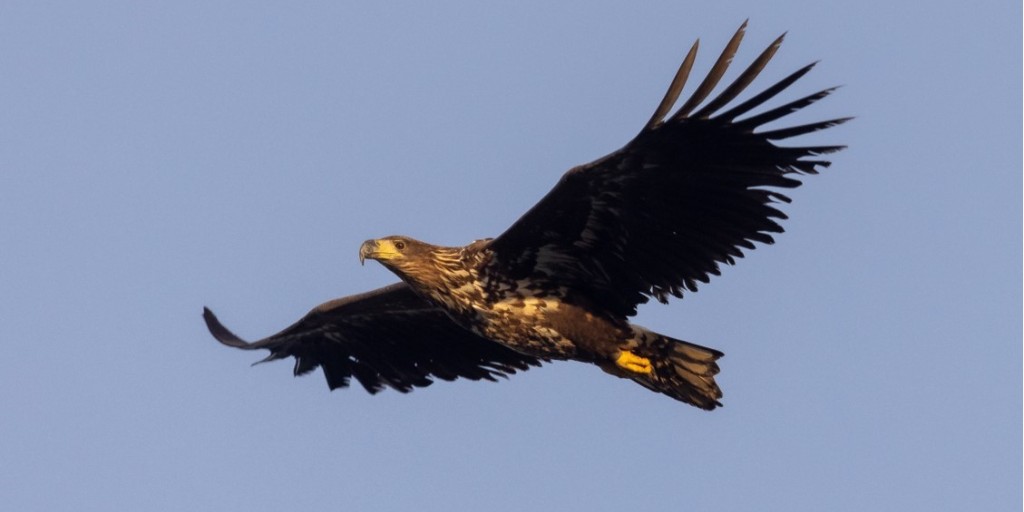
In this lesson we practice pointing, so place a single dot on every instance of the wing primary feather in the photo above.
(221, 333)
(274, 356)
(810, 166)
(815, 150)
(776, 113)
(303, 365)
(741, 83)
(676, 87)
(710, 81)
(765, 95)
(785, 133)
(366, 376)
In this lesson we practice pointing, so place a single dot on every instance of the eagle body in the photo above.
(540, 320)
(654, 219)
(520, 314)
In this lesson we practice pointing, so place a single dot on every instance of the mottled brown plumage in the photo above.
(653, 219)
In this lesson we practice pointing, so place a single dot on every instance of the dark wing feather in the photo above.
(387, 337)
(660, 215)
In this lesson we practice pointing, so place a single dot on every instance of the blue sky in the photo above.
(159, 157)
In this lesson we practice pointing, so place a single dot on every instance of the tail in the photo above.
(676, 368)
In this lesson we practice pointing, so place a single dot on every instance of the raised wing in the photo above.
(387, 337)
(662, 213)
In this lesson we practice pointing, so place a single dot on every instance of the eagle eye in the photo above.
(400, 245)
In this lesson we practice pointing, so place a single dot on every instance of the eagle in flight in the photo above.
(690, 192)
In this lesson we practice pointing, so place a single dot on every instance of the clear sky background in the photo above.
(159, 157)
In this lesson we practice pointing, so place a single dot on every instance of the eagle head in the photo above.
(389, 251)
(420, 264)
(397, 253)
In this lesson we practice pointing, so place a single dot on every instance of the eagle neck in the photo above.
(448, 278)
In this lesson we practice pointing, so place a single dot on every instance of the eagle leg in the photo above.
(633, 363)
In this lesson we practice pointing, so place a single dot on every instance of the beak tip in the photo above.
(364, 251)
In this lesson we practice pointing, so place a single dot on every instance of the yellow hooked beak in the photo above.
(379, 250)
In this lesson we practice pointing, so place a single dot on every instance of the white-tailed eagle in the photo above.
(690, 192)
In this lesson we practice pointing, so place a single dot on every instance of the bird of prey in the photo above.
(690, 192)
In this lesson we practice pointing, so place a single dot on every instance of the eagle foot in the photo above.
(634, 363)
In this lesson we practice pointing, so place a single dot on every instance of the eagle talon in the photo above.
(634, 363)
